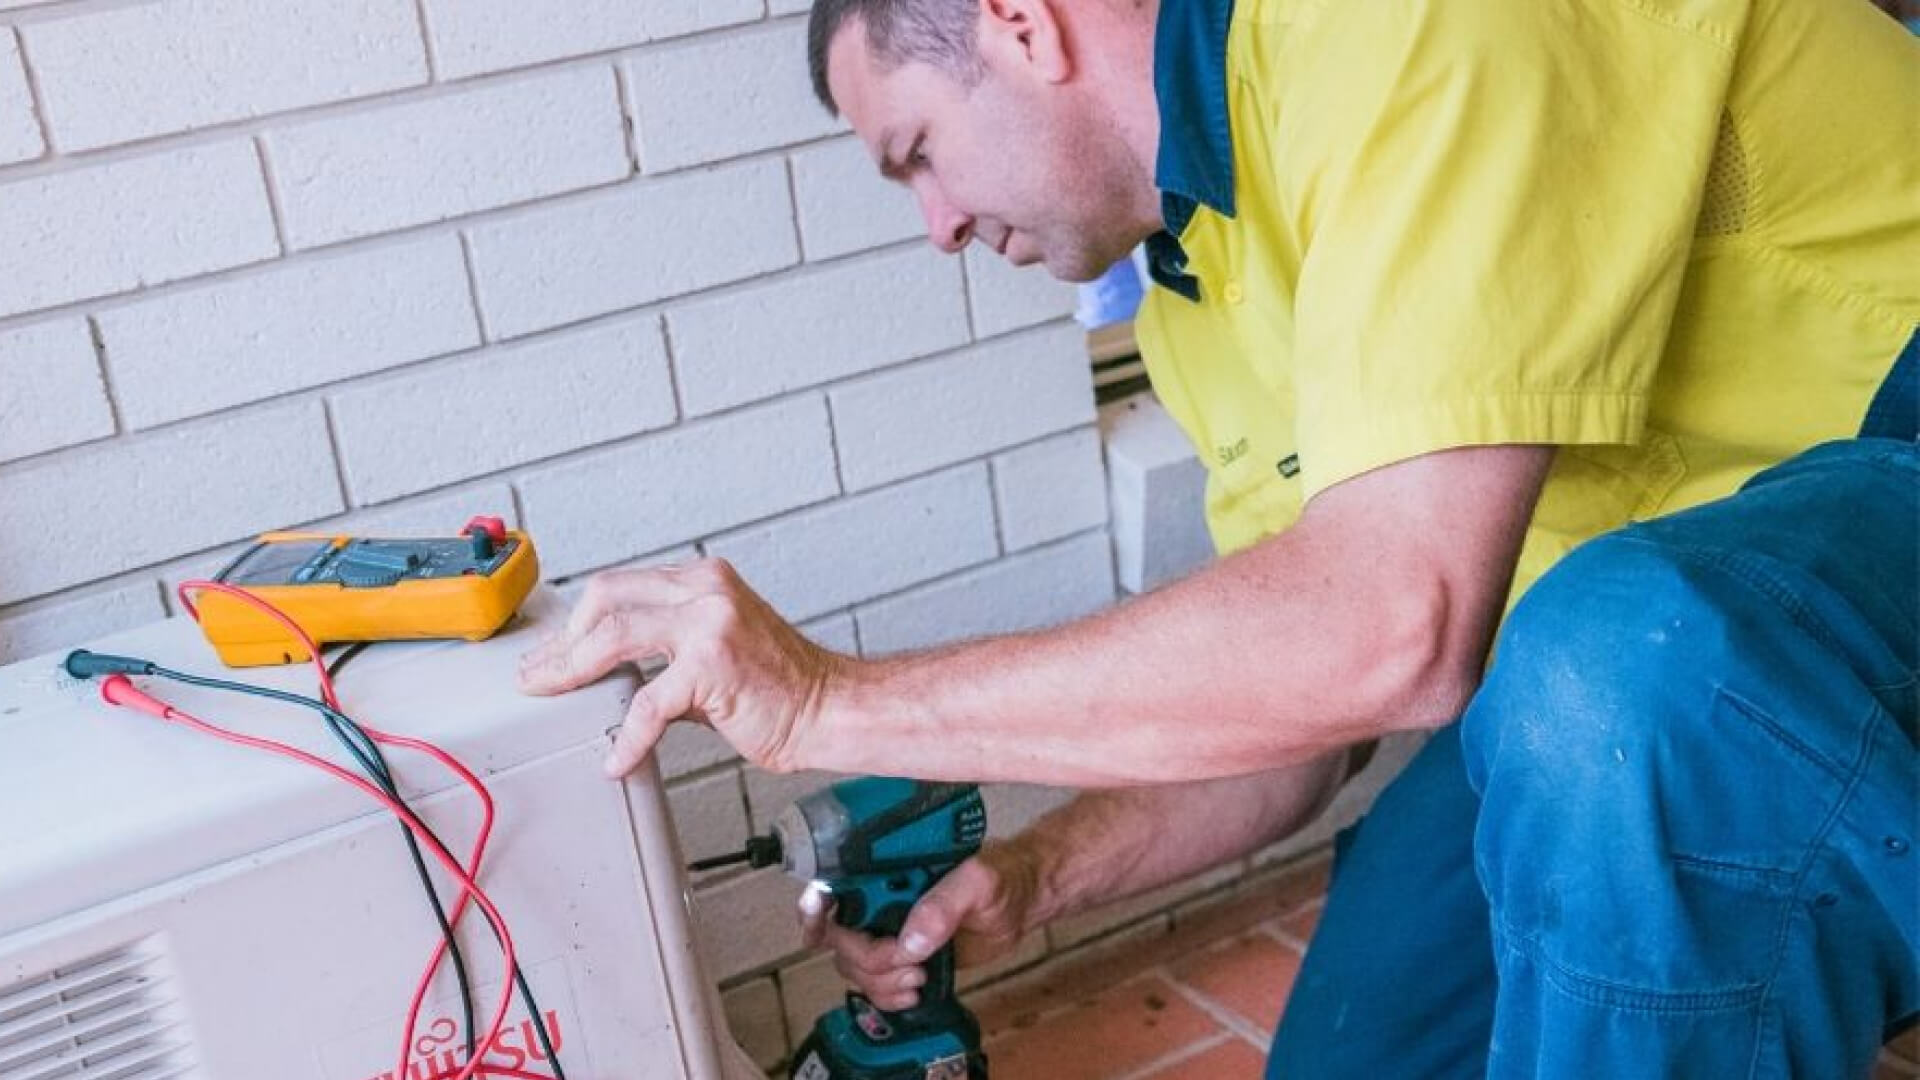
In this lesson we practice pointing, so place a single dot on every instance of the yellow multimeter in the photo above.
(344, 588)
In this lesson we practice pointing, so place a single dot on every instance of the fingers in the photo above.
(656, 705)
(611, 591)
(937, 917)
(871, 965)
(571, 660)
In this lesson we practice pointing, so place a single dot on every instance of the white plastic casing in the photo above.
(265, 919)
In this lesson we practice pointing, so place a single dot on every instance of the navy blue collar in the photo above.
(1194, 164)
(1195, 159)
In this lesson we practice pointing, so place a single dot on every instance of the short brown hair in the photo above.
(936, 32)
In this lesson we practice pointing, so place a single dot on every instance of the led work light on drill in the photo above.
(877, 844)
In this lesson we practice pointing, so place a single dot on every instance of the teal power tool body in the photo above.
(877, 844)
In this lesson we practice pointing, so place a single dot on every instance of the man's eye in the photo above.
(917, 157)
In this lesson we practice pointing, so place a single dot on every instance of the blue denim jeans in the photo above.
(1673, 833)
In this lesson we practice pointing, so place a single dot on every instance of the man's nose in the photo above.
(947, 227)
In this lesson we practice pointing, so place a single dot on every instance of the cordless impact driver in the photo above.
(877, 844)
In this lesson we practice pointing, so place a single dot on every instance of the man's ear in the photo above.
(1024, 35)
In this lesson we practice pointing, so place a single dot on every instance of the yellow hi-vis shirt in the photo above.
(1680, 239)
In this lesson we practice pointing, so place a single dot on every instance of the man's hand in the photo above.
(987, 901)
(732, 662)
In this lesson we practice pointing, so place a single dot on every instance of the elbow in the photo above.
(1419, 662)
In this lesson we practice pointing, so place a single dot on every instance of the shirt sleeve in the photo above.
(1496, 201)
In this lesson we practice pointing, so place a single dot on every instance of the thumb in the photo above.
(655, 706)
(935, 919)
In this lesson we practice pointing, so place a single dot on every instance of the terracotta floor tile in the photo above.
(1087, 972)
(1231, 1060)
(1302, 923)
(1117, 1032)
(1250, 975)
(1890, 1068)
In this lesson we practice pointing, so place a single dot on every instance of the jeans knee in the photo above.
(1591, 662)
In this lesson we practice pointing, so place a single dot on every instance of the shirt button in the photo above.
(1231, 293)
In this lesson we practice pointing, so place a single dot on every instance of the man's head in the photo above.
(1026, 124)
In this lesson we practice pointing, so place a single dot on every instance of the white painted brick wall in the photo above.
(94, 614)
(403, 435)
(866, 546)
(273, 331)
(1049, 489)
(126, 73)
(632, 246)
(50, 390)
(816, 325)
(113, 507)
(1006, 297)
(921, 417)
(19, 125)
(471, 37)
(87, 232)
(670, 488)
(1040, 588)
(363, 173)
(843, 204)
(601, 267)
(715, 98)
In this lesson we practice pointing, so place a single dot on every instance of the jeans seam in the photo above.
(1606, 993)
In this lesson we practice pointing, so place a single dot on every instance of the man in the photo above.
(1446, 288)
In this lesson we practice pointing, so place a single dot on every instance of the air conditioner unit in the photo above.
(176, 906)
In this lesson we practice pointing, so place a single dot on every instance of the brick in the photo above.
(768, 793)
(50, 390)
(149, 499)
(689, 747)
(73, 620)
(834, 632)
(679, 485)
(287, 328)
(709, 813)
(809, 989)
(777, 8)
(845, 205)
(88, 232)
(933, 413)
(19, 127)
(748, 922)
(474, 36)
(383, 169)
(815, 326)
(827, 558)
(723, 96)
(1157, 490)
(512, 406)
(1050, 489)
(757, 1021)
(1007, 297)
(634, 245)
(439, 514)
(1051, 585)
(132, 72)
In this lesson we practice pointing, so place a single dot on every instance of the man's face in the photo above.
(1020, 164)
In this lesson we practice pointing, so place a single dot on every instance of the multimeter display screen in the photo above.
(273, 564)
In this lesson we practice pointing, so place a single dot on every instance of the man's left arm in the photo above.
(1374, 612)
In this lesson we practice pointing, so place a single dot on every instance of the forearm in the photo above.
(1236, 670)
(1111, 844)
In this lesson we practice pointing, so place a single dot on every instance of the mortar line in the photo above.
(629, 126)
(833, 444)
(272, 185)
(473, 288)
(339, 460)
(99, 340)
(37, 99)
(426, 40)
(793, 209)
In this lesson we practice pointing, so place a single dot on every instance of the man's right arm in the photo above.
(1101, 847)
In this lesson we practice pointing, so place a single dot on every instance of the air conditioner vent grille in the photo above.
(108, 1017)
